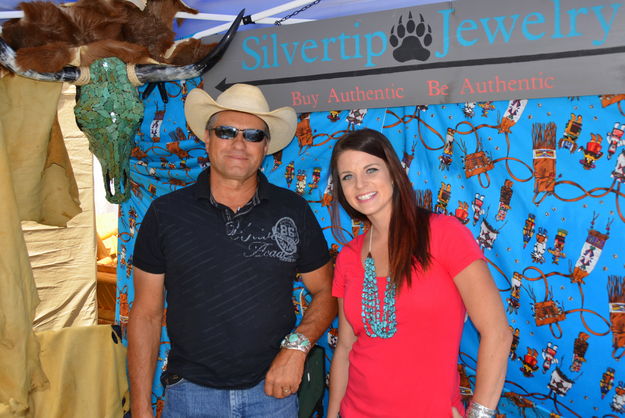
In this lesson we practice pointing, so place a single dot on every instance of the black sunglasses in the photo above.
(230, 132)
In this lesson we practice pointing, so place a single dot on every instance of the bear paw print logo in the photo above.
(411, 42)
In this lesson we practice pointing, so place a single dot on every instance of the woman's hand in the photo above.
(455, 413)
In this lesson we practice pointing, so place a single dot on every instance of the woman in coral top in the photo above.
(404, 288)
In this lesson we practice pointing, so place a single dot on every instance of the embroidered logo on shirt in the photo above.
(285, 234)
(280, 243)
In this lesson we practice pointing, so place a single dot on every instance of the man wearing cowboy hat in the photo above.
(227, 249)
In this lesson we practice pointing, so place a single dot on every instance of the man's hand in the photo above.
(285, 374)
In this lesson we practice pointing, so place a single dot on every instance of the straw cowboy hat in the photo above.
(200, 106)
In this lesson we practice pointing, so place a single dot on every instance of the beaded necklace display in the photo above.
(378, 323)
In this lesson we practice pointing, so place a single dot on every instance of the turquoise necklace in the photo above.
(378, 323)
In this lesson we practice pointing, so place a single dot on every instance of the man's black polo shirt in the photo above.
(229, 277)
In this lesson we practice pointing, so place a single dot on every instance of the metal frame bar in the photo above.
(256, 17)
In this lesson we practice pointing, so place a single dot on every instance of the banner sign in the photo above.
(451, 52)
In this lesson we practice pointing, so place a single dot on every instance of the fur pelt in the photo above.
(48, 37)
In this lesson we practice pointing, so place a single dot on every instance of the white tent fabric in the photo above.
(63, 259)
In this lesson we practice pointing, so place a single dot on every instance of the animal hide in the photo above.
(50, 37)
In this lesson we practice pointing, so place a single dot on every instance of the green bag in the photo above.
(311, 390)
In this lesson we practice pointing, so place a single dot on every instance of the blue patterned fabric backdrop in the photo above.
(538, 182)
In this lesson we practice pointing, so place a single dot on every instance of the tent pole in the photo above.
(229, 18)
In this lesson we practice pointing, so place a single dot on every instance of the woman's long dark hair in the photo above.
(409, 230)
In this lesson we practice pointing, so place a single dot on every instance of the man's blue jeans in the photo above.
(185, 399)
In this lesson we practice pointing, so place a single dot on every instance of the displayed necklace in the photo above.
(378, 323)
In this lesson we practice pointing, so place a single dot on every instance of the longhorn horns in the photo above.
(145, 73)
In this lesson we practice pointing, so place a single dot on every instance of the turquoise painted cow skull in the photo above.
(108, 110)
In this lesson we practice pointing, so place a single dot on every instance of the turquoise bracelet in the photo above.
(296, 341)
